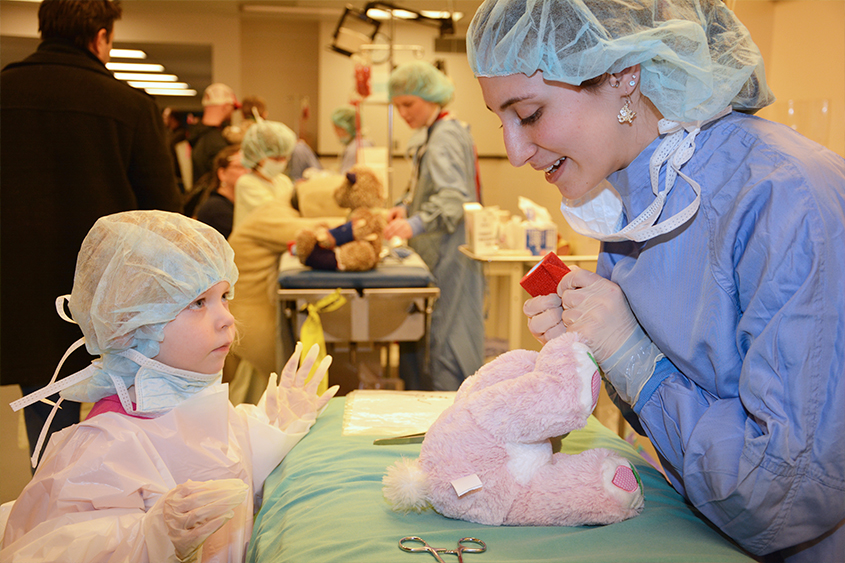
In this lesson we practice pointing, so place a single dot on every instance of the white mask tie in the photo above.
(675, 149)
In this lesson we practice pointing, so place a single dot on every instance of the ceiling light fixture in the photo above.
(357, 28)
(166, 92)
(146, 76)
(166, 85)
(127, 54)
(135, 67)
(384, 10)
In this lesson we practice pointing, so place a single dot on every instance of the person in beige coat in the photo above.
(259, 242)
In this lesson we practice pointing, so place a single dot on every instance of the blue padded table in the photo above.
(324, 503)
(391, 272)
(398, 296)
(392, 303)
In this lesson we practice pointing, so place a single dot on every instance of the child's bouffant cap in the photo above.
(136, 271)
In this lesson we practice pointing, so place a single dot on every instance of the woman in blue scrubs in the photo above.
(431, 215)
(717, 312)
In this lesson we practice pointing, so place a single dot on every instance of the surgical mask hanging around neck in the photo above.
(159, 387)
(599, 214)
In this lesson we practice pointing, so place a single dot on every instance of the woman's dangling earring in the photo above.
(626, 114)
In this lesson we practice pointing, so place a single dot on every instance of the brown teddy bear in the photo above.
(354, 246)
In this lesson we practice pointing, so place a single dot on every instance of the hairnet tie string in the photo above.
(50, 389)
(53, 387)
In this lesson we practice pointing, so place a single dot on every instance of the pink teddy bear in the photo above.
(488, 458)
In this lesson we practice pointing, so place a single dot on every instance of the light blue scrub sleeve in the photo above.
(760, 450)
(447, 166)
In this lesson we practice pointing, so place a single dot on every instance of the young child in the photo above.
(266, 149)
(164, 468)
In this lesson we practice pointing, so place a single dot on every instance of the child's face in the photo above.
(198, 339)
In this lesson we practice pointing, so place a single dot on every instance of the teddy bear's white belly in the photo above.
(524, 460)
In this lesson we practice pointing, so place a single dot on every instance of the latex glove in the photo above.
(398, 212)
(398, 228)
(195, 510)
(597, 309)
(291, 400)
(544, 314)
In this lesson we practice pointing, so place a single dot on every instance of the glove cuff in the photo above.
(632, 365)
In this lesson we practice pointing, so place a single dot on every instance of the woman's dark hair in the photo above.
(208, 183)
(593, 84)
(78, 21)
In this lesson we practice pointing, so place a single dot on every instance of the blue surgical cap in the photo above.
(137, 270)
(344, 117)
(423, 80)
(266, 139)
(695, 55)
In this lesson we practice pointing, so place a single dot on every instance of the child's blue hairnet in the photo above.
(344, 117)
(137, 270)
(695, 55)
(421, 79)
(266, 139)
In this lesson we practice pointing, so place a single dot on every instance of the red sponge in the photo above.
(543, 278)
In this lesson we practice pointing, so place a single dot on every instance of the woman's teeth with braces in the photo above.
(556, 164)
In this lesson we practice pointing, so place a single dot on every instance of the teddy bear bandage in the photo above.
(488, 458)
(354, 246)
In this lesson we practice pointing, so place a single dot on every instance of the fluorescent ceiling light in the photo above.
(127, 54)
(150, 76)
(135, 67)
(166, 85)
(456, 16)
(166, 92)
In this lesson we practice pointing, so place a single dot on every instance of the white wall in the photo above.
(803, 46)
(285, 60)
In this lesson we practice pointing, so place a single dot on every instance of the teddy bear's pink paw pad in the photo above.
(625, 479)
(596, 386)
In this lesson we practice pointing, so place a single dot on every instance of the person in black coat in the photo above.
(76, 144)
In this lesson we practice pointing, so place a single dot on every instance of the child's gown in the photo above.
(95, 495)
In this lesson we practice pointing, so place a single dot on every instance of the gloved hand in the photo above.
(398, 212)
(195, 510)
(544, 314)
(597, 309)
(398, 228)
(291, 400)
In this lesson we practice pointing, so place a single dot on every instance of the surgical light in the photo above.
(354, 29)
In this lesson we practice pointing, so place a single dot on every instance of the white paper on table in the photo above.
(392, 413)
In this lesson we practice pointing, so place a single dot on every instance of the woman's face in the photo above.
(234, 170)
(414, 110)
(342, 134)
(569, 133)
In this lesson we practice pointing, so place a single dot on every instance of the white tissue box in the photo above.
(481, 229)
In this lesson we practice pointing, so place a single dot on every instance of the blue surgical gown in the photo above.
(445, 163)
(747, 302)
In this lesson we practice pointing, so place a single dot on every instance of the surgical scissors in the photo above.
(436, 551)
